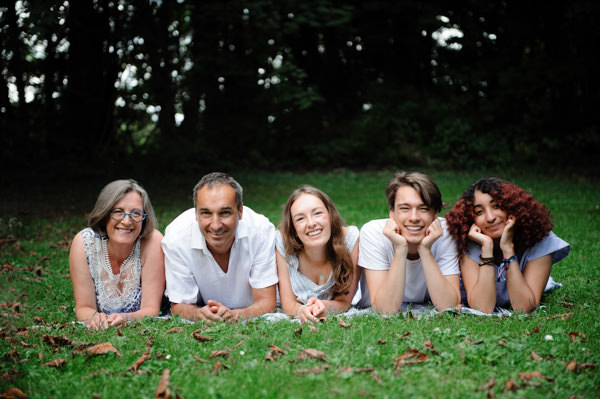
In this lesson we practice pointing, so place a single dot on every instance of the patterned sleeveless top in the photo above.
(115, 293)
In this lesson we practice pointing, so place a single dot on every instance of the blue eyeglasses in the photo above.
(119, 214)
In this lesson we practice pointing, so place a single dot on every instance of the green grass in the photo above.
(468, 351)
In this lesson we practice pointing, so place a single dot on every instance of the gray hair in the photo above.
(109, 196)
(218, 178)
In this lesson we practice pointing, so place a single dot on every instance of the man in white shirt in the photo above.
(218, 265)
(410, 257)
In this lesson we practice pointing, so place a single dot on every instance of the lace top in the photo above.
(115, 293)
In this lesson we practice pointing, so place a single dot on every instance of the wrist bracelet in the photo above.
(504, 267)
(486, 261)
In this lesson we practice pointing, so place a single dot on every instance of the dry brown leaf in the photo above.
(298, 332)
(567, 304)
(406, 334)
(12, 356)
(502, 342)
(310, 353)
(219, 353)
(135, 366)
(527, 376)
(511, 385)
(274, 353)
(315, 370)
(574, 336)
(162, 390)
(201, 338)
(410, 356)
(56, 340)
(217, 368)
(342, 323)
(98, 349)
(201, 360)
(13, 393)
(95, 373)
(55, 363)
(572, 365)
(364, 369)
(177, 329)
(488, 385)
(381, 342)
(535, 357)
(149, 343)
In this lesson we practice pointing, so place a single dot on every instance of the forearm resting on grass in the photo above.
(387, 286)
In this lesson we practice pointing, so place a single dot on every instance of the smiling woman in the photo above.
(505, 244)
(316, 256)
(117, 264)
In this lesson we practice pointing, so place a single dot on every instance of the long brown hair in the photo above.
(337, 253)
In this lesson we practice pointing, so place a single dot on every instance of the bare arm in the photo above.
(264, 301)
(479, 281)
(289, 304)
(83, 286)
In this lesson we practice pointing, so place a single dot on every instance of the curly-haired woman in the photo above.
(505, 244)
(316, 256)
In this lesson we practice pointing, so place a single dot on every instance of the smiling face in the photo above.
(487, 215)
(311, 220)
(411, 214)
(218, 217)
(125, 231)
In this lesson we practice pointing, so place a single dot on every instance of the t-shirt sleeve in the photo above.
(264, 270)
(445, 252)
(279, 246)
(374, 247)
(181, 286)
(551, 244)
(351, 237)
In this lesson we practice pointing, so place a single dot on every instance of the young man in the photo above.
(218, 264)
(410, 257)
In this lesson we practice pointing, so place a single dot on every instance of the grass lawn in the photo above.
(551, 353)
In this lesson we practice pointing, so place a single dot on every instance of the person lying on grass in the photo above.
(117, 264)
(316, 256)
(218, 264)
(409, 257)
(506, 246)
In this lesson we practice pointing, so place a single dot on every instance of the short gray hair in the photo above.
(217, 178)
(109, 196)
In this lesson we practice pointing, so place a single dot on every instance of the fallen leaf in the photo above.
(38, 320)
(135, 366)
(56, 340)
(342, 323)
(567, 304)
(411, 356)
(201, 360)
(315, 370)
(219, 353)
(298, 332)
(98, 349)
(274, 353)
(406, 334)
(488, 385)
(95, 373)
(162, 390)
(374, 375)
(527, 376)
(55, 363)
(177, 329)
(574, 336)
(119, 332)
(502, 342)
(149, 343)
(13, 393)
(12, 355)
(217, 368)
(201, 338)
(535, 357)
(428, 345)
(381, 342)
(311, 354)
(573, 366)
(364, 369)
(510, 385)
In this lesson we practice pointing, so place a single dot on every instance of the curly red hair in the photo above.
(534, 220)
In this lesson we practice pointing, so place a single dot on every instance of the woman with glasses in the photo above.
(506, 246)
(117, 264)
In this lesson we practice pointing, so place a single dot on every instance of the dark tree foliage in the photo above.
(179, 85)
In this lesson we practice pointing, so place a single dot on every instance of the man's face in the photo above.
(412, 216)
(217, 216)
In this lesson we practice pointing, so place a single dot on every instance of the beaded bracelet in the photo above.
(503, 268)
(486, 261)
